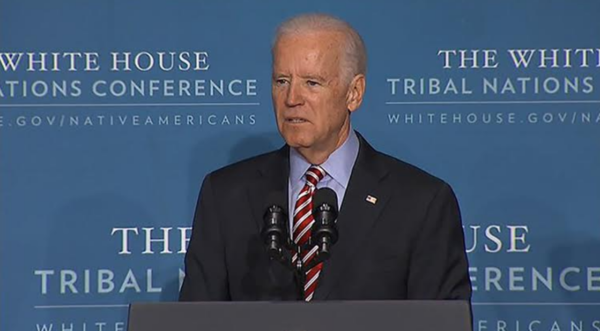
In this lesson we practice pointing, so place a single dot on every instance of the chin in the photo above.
(296, 142)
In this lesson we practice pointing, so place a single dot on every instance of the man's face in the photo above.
(310, 94)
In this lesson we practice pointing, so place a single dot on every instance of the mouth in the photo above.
(295, 120)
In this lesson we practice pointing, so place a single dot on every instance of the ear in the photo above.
(356, 91)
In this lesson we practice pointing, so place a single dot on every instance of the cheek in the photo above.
(335, 113)
(277, 96)
(277, 107)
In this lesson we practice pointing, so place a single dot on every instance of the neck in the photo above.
(318, 156)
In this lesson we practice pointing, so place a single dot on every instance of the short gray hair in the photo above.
(355, 53)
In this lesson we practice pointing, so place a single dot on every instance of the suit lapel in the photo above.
(272, 176)
(357, 215)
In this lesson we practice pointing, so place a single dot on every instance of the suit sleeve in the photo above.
(205, 267)
(439, 267)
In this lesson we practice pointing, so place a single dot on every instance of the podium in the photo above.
(301, 316)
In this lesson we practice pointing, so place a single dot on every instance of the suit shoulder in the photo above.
(409, 175)
(244, 169)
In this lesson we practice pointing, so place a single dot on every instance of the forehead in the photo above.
(321, 48)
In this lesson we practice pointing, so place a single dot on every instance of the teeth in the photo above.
(296, 120)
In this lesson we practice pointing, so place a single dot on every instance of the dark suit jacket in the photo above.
(408, 245)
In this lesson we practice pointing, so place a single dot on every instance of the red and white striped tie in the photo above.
(303, 221)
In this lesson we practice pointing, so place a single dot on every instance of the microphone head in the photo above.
(274, 231)
(276, 198)
(325, 196)
(324, 231)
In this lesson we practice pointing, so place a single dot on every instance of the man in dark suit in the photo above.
(400, 233)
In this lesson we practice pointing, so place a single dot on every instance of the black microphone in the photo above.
(325, 212)
(275, 231)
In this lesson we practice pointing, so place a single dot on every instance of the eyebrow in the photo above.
(314, 77)
(309, 77)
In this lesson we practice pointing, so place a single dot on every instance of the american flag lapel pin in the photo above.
(371, 199)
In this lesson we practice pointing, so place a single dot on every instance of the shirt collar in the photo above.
(338, 166)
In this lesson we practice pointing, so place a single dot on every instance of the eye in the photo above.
(312, 83)
(280, 81)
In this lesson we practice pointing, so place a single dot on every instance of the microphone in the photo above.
(324, 231)
(275, 230)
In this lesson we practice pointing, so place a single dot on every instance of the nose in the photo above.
(293, 97)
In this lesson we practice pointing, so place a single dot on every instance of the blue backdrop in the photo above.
(105, 139)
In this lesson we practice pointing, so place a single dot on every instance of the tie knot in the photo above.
(314, 174)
